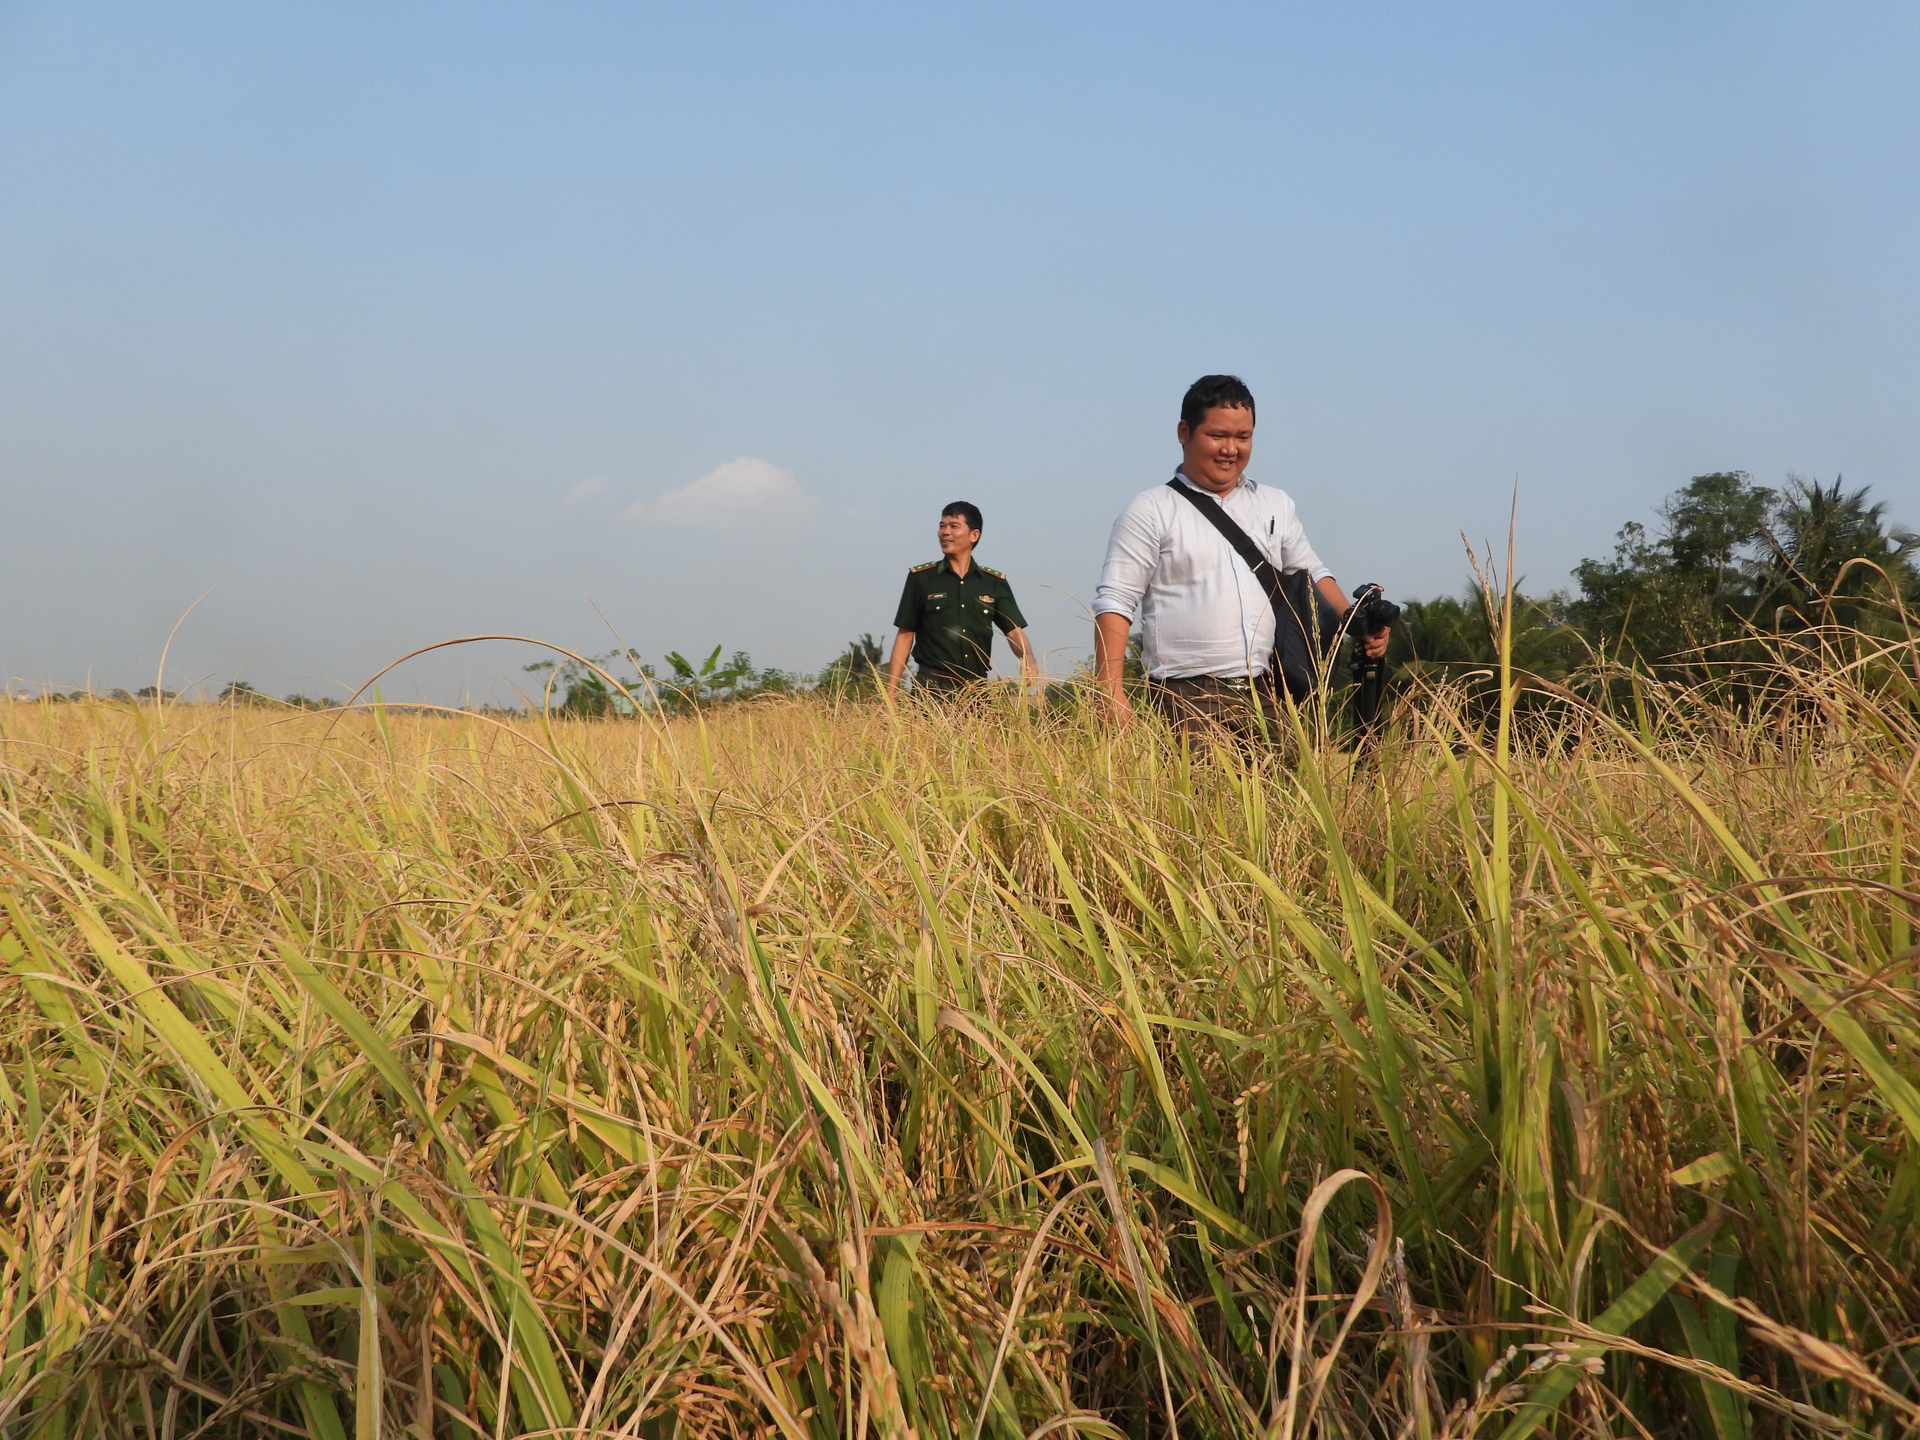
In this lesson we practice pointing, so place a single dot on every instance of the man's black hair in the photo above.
(1211, 390)
(967, 512)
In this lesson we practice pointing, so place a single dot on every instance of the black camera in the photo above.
(1372, 611)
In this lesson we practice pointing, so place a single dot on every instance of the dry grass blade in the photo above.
(1291, 1419)
(1123, 1226)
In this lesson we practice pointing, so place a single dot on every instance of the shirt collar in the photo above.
(1247, 482)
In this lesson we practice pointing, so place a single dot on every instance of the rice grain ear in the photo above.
(1645, 1168)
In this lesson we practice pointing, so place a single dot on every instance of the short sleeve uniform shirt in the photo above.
(951, 617)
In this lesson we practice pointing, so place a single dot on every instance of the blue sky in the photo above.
(392, 323)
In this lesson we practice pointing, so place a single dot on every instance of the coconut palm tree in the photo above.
(1832, 558)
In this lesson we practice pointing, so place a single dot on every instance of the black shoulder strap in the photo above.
(1263, 568)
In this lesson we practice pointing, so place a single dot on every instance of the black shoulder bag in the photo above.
(1303, 622)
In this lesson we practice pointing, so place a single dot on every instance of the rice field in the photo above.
(831, 1071)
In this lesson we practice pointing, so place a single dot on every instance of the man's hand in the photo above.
(1023, 647)
(1110, 665)
(897, 662)
(1372, 646)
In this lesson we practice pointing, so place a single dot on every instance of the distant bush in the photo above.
(583, 687)
(856, 670)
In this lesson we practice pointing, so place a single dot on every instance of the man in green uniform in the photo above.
(948, 611)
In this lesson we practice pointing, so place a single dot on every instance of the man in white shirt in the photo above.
(1207, 625)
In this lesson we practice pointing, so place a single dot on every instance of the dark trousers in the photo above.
(940, 682)
(1216, 708)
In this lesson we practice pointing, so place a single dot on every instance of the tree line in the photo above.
(1728, 572)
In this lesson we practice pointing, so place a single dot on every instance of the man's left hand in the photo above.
(1375, 645)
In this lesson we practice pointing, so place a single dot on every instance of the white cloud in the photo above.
(736, 493)
(586, 490)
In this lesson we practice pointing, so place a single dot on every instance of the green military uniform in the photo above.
(952, 617)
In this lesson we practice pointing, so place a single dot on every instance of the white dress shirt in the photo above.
(1201, 611)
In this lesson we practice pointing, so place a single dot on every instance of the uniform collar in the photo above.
(946, 564)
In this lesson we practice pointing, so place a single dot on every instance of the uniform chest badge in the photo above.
(938, 595)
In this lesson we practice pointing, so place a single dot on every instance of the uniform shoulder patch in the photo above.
(918, 569)
(989, 570)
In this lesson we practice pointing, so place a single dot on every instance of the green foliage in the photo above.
(583, 689)
(617, 683)
(1459, 635)
(1731, 571)
(1455, 641)
(711, 683)
(1732, 560)
(1668, 595)
(856, 670)
(1831, 557)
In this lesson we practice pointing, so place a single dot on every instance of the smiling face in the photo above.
(1216, 450)
(957, 538)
